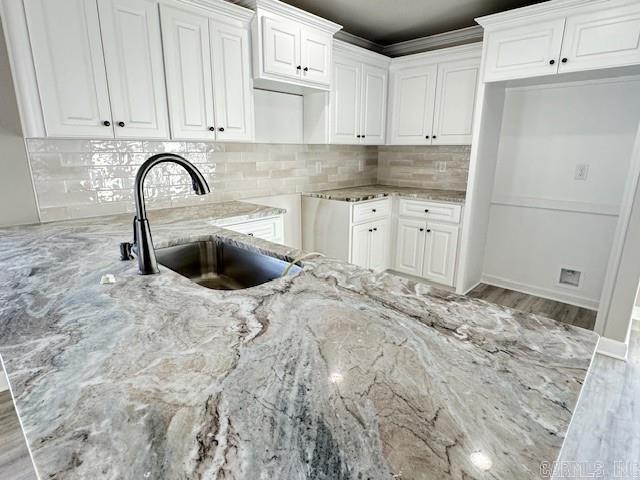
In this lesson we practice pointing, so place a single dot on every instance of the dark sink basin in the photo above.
(222, 266)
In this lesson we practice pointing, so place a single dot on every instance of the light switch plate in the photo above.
(582, 171)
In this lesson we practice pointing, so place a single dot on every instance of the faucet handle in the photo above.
(125, 251)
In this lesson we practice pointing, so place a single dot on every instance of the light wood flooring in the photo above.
(562, 312)
(15, 462)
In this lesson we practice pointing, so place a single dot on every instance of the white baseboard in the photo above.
(576, 300)
(612, 348)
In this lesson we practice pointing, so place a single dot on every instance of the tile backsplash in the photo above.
(445, 167)
(82, 178)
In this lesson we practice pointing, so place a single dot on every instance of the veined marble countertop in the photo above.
(369, 192)
(335, 373)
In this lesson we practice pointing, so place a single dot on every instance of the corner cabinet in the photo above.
(290, 46)
(433, 97)
(592, 35)
(358, 99)
(99, 67)
(209, 85)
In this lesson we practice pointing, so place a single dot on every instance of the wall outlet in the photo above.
(441, 166)
(582, 171)
(570, 277)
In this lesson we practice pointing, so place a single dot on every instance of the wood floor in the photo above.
(15, 462)
(562, 312)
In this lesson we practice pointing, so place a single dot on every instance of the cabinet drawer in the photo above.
(371, 210)
(444, 212)
(268, 229)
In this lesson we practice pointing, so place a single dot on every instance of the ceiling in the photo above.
(391, 21)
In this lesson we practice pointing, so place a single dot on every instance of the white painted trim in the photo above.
(612, 348)
(358, 41)
(562, 205)
(636, 313)
(292, 13)
(360, 54)
(569, 297)
(450, 54)
(225, 9)
(470, 289)
(433, 42)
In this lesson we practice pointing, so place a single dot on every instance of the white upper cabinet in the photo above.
(135, 72)
(345, 101)
(189, 79)
(433, 97)
(455, 102)
(209, 81)
(374, 105)
(315, 56)
(605, 38)
(552, 38)
(281, 48)
(70, 68)
(414, 95)
(525, 51)
(233, 91)
(358, 98)
(290, 46)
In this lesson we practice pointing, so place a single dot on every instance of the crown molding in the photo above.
(220, 7)
(343, 48)
(434, 42)
(460, 52)
(292, 13)
(352, 39)
(523, 14)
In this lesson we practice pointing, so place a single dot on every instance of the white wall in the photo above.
(541, 217)
(17, 199)
(279, 117)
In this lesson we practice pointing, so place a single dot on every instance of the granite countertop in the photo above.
(335, 373)
(369, 192)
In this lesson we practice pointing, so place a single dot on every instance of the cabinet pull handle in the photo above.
(358, 136)
(426, 136)
(362, 136)
(373, 210)
(426, 210)
(221, 129)
(422, 229)
(212, 129)
(370, 230)
(434, 137)
(298, 67)
(428, 230)
(551, 62)
(250, 234)
(106, 123)
(306, 69)
(565, 60)
(121, 124)
(375, 229)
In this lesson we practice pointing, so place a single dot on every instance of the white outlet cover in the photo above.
(441, 166)
(582, 171)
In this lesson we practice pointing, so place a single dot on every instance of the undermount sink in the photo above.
(221, 266)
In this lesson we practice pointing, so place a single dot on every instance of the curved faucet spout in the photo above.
(200, 186)
(142, 242)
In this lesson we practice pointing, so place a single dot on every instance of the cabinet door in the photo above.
(374, 105)
(232, 82)
(455, 102)
(69, 63)
(189, 77)
(281, 48)
(345, 102)
(361, 244)
(607, 38)
(135, 72)
(440, 253)
(315, 59)
(526, 51)
(410, 246)
(414, 92)
(379, 249)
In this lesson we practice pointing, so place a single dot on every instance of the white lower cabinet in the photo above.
(370, 244)
(271, 229)
(426, 247)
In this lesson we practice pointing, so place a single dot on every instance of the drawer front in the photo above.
(444, 212)
(268, 229)
(366, 211)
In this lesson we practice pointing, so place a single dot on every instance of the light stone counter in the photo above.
(336, 373)
(369, 192)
